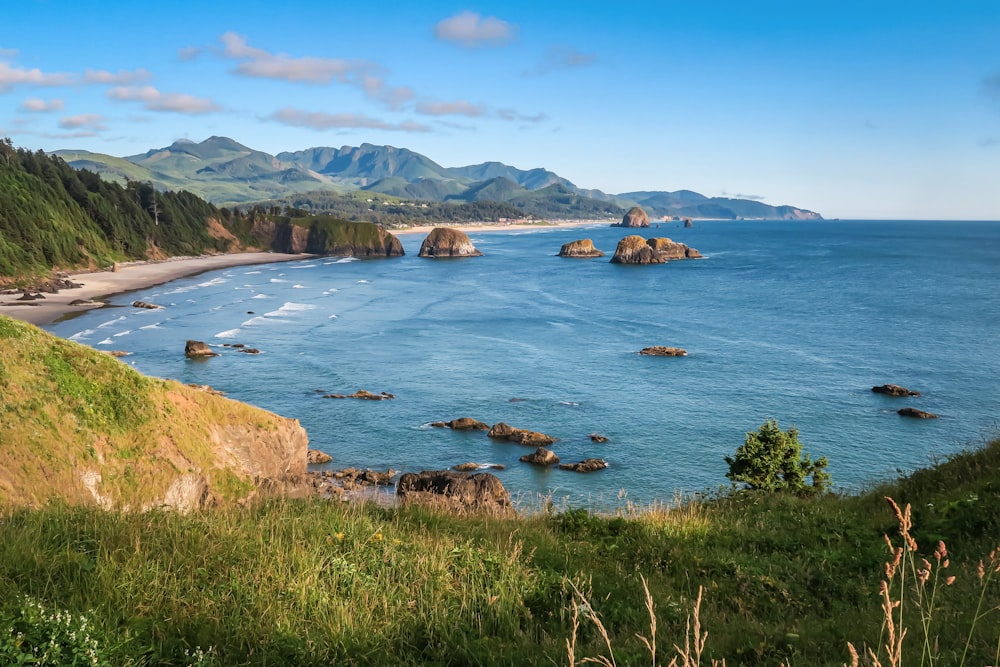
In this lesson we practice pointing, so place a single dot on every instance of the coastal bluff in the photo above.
(448, 242)
(327, 236)
(82, 428)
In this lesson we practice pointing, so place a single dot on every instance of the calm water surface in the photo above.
(788, 320)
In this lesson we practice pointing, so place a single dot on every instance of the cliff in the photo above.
(79, 426)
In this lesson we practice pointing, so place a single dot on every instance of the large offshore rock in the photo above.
(447, 242)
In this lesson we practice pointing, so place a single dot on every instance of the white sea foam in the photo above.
(260, 296)
(363, 282)
(346, 260)
(229, 333)
(122, 333)
(251, 273)
(332, 317)
(151, 326)
(264, 319)
(292, 307)
(278, 280)
(303, 266)
(298, 286)
(571, 404)
(82, 334)
(213, 281)
(106, 341)
(110, 322)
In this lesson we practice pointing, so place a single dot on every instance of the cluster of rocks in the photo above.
(365, 395)
(144, 304)
(897, 391)
(197, 349)
(58, 282)
(663, 351)
(460, 492)
(639, 250)
(337, 483)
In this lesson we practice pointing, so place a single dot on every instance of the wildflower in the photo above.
(338, 536)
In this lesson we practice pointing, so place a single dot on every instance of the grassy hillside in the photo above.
(80, 426)
(309, 582)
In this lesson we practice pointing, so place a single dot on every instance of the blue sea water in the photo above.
(794, 321)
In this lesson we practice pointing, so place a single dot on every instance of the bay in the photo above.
(794, 321)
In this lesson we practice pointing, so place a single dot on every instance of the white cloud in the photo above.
(457, 108)
(471, 30)
(91, 121)
(8, 54)
(11, 75)
(119, 78)
(154, 100)
(37, 105)
(513, 115)
(325, 121)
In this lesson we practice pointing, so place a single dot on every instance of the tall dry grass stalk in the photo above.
(912, 581)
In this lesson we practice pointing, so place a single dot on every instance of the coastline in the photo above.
(128, 277)
(131, 276)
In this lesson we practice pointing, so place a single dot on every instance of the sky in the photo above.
(857, 110)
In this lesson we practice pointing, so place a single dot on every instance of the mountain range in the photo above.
(226, 172)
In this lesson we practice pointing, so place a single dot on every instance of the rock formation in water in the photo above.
(504, 431)
(365, 395)
(316, 456)
(482, 492)
(635, 217)
(663, 351)
(463, 424)
(917, 414)
(541, 457)
(581, 248)
(638, 250)
(197, 348)
(894, 390)
(587, 465)
(447, 242)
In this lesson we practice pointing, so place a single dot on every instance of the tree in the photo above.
(772, 460)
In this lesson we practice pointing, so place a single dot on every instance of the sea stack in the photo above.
(581, 248)
(446, 242)
(635, 217)
(637, 250)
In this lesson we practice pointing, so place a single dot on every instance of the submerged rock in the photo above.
(894, 390)
(143, 304)
(364, 395)
(918, 414)
(470, 466)
(587, 465)
(447, 242)
(597, 437)
(581, 248)
(463, 424)
(663, 351)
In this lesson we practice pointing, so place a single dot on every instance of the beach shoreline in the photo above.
(96, 285)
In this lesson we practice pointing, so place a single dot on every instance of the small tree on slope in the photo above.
(772, 460)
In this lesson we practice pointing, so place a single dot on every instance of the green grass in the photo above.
(310, 582)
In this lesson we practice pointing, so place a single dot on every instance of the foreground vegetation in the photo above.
(783, 578)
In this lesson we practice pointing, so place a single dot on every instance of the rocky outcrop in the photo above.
(504, 431)
(326, 236)
(635, 217)
(365, 395)
(587, 465)
(463, 424)
(470, 466)
(350, 478)
(144, 304)
(446, 242)
(894, 390)
(917, 414)
(663, 351)
(315, 456)
(541, 457)
(638, 250)
(581, 248)
(481, 492)
(598, 438)
(197, 348)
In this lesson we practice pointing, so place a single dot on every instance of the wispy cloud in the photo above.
(325, 121)
(8, 54)
(561, 57)
(516, 116)
(364, 74)
(989, 88)
(989, 142)
(12, 75)
(738, 195)
(38, 105)
(90, 121)
(472, 31)
(154, 100)
(456, 108)
(189, 53)
(119, 78)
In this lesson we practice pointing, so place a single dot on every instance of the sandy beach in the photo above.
(128, 277)
(139, 275)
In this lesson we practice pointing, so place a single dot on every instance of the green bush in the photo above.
(772, 460)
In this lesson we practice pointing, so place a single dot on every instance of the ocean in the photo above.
(794, 321)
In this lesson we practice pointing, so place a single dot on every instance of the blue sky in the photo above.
(877, 109)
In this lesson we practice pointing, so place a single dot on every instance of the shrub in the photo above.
(772, 460)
